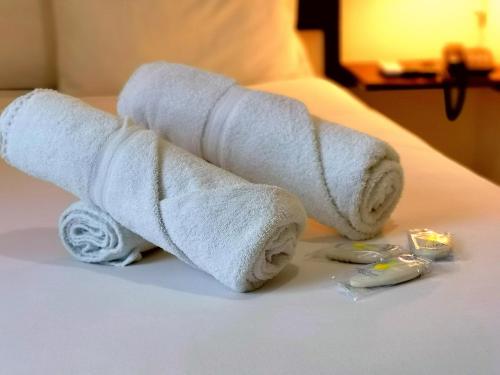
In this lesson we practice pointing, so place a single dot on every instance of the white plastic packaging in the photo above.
(429, 244)
(396, 270)
(358, 252)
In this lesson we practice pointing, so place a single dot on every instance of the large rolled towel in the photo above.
(91, 235)
(346, 179)
(241, 233)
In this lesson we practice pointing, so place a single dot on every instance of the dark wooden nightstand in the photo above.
(369, 78)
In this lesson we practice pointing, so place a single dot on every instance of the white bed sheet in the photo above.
(60, 316)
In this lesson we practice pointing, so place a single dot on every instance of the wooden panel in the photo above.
(370, 78)
(324, 15)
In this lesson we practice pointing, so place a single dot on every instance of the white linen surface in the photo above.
(159, 316)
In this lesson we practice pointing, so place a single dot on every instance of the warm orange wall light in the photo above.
(413, 29)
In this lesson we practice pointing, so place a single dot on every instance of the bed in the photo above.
(61, 316)
(160, 316)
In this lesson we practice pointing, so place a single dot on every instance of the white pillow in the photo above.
(26, 45)
(100, 43)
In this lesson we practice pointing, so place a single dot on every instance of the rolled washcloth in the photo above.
(346, 179)
(91, 235)
(241, 233)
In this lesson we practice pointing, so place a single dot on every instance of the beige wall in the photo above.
(405, 29)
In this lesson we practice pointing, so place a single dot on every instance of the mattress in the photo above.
(160, 316)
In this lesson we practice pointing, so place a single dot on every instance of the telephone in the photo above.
(476, 60)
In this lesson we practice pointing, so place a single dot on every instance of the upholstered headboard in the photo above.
(33, 28)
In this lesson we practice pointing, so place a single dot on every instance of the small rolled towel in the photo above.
(92, 236)
(241, 233)
(346, 179)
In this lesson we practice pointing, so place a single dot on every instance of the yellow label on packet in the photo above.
(385, 266)
(359, 246)
(432, 237)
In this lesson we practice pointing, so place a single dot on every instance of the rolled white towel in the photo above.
(92, 236)
(346, 179)
(241, 233)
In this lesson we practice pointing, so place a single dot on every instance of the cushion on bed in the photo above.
(100, 42)
(26, 47)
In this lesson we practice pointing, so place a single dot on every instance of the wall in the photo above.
(406, 29)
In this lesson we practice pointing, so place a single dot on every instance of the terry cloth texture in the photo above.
(346, 179)
(241, 233)
(91, 235)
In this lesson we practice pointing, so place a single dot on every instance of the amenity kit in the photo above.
(140, 190)
(384, 265)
